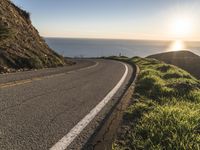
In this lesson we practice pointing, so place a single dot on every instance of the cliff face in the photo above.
(21, 46)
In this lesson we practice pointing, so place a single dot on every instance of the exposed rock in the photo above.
(21, 47)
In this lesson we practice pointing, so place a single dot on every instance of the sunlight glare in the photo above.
(181, 26)
(177, 45)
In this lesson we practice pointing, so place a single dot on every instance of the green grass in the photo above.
(165, 111)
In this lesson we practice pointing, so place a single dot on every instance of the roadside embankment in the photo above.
(21, 46)
(164, 111)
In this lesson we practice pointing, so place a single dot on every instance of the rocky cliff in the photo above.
(21, 47)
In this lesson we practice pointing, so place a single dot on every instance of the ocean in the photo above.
(100, 47)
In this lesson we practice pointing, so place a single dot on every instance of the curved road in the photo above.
(39, 108)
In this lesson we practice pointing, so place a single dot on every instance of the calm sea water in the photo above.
(98, 47)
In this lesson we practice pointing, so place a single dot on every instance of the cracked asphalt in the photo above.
(35, 115)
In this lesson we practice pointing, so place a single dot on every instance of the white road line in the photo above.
(78, 128)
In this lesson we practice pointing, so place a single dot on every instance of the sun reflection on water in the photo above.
(177, 45)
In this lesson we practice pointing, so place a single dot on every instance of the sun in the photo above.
(181, 26)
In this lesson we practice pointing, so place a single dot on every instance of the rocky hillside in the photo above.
(183, 59)
(21, 47)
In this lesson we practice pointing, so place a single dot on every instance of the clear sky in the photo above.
(120, 19)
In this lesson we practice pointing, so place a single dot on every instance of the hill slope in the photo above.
(164, 110)
(183, 59)
(20, 43)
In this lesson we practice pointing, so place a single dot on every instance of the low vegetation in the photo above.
(4, 32)
(165, 110)
(21, 46)
(21, 11)
(183, 59)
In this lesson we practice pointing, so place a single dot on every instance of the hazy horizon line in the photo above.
(125, 39)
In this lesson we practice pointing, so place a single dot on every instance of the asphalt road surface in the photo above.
(39, 108)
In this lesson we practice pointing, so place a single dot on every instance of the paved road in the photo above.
(38, 108)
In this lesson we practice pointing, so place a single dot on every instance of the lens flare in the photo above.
(177, 45)
(181, 27)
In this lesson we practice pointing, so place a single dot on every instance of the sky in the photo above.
(116, 19)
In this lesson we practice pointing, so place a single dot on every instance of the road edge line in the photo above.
(63, 143)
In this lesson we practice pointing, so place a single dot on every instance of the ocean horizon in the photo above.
(77, 47)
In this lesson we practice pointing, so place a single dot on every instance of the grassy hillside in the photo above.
(165, 109)
(21, 46)
(183, 59)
